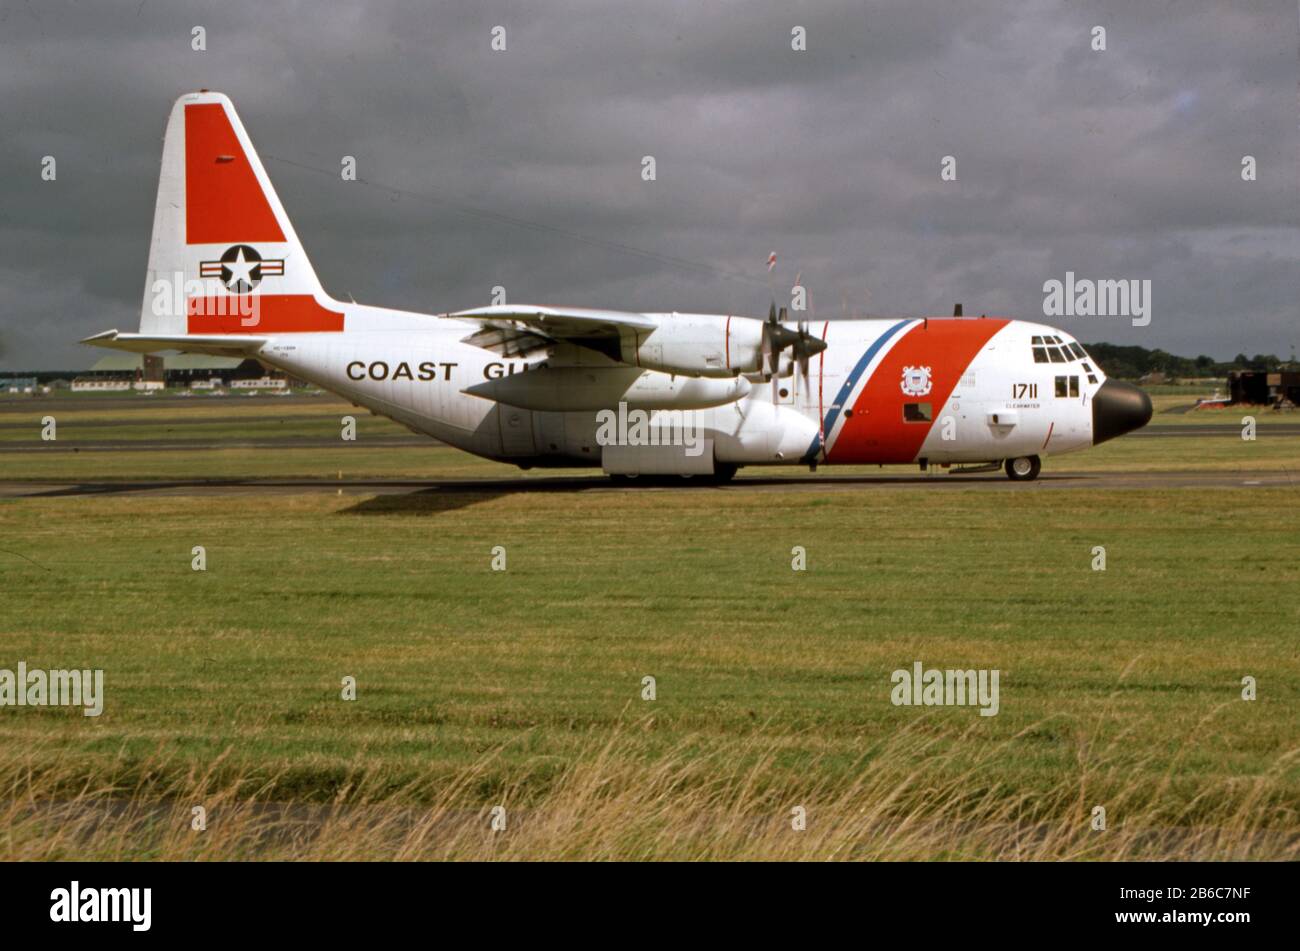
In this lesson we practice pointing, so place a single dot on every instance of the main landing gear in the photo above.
(1024, 468)
(722, 473)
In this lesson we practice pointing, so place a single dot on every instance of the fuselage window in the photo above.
(917, 413)
(1074, 386)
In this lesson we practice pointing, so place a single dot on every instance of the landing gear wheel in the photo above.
(723, 473)
(1024, 468)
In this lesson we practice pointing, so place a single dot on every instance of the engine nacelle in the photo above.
(713, 345)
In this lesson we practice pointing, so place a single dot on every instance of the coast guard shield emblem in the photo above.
(916, 381)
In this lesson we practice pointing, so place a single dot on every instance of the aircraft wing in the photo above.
(516, 329)
(217, 345)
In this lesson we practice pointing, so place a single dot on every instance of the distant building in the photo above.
(1265, 388)
(100, 384)
(188, 369)
(18, 384)
(111, 373)
(194, 370)
(117, 365)
(151, 371)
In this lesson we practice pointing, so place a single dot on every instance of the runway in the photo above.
(993, 482)
(272, 441)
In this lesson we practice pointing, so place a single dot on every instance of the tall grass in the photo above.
(907, 799)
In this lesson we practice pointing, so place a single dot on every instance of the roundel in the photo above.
(241, 268)
(916, 381)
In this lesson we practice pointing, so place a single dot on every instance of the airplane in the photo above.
(537, 386)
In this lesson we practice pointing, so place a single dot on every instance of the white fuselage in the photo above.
(976, 393)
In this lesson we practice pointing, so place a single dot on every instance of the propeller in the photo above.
(777, 337)
(803, 347)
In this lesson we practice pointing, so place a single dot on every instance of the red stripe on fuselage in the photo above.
(224, 203)
(877, 431)
(261, 314)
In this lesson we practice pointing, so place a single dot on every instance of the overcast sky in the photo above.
(523, 168)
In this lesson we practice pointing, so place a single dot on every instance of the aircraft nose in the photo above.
(1118, 408)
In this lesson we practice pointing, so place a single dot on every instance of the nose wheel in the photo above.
(1023, 468)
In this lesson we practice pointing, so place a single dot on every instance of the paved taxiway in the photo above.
(595, 483)
(411, 439)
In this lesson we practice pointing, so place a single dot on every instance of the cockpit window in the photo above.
(1049, 348)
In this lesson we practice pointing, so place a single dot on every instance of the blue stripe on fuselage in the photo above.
(834, 412)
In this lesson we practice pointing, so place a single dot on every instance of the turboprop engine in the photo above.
(717, 345)
(578, 389)
(710, 345)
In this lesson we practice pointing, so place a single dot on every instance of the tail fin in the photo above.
(224, 258)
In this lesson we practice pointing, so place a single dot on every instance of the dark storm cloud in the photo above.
(1124, 163)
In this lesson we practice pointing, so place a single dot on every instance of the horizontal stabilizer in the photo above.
(219, 345)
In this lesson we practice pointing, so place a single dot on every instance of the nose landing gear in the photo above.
(1024, 468)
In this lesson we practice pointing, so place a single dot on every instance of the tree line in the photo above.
(1134, 361)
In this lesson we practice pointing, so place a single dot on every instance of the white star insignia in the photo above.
(241, 270)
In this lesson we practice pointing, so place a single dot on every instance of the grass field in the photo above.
(523, 688)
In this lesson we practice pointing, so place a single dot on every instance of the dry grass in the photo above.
(618, 799)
